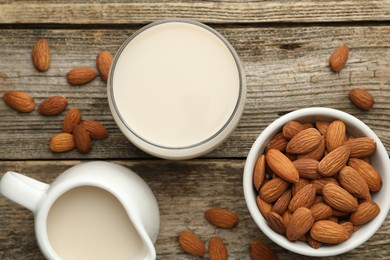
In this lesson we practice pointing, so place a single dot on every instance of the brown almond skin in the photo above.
(282, 203)
(263, 206)
(335, 135)
(338, 198)
(291, 128)
(273, 189)
(312, 242)
(222, 218)
(304, 141)
(96, 130)
(320, 183)
(82, 139)
(322, 127)
(103, 64)
(191, 243)
(303, 198)
(217, 249)
(317, 153)
(329, 232)
(307, 168)
(276, 222)
(321, 211)
(62, 142)
(286, 217)
(20, 101)
(369, 174)
(259, 251)
(52, 106)
(81, 75)
(365, 212)
(72, 118)
(259, 172)
(299, 185)
(347, 226)
(301, 221)
(278, 142)
(334, 161)
(361, 98)
(352, 182)
(41, 55)
(281, 166)
(339, 58)
(361, 147)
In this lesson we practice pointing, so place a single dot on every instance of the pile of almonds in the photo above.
(314, 182)
(75, 132)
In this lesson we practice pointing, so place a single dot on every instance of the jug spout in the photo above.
(22, 189)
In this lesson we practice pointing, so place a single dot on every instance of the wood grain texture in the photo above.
(286, 69)
(184, 190)
(225, 11)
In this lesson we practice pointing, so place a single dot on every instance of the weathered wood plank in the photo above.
(286, 69)
(139, 12)
(183, 190)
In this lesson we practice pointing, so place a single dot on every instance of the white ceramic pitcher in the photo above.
(127, 187)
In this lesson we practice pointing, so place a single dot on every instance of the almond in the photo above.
(41, 55)
(72, 118)
(347, 226)
(263, 206)
(352, 182)
(95, 129)
(339, 58)
(286, 217)
(338, 213)
(320, 183)
(273, 189)
(299, 185)
(338, 198)
(334, 161)
(361, 98)
(365, 213)
(277, 142)
(335, 135)
(61, 143)
(307, 168)
(322, 127)
(20, 101)
(275, 221)
(301, 221)
(321, 211)
(282, 203)
(361, 147)
(312, 242)
(317, 153)
(281, 166)
(81, 75)
(103, 64)
(328, 232)
(222, 218)
(82, 139)
(259, 172)
(52, 106)
(303, 198)
(291, 128)
(259, 251)
(369, 174)
(304, 141)
(217, 249)
(191, 243)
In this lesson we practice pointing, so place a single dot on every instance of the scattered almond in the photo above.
(361, 98)
(191, 243)
(259, 251)
(222, 218)
(20, 101)
(81, 75)
(103, 64)
(82, 139)
(95, 129)
(72, 118)
(339, 58)
(62, 142)
(217, 249)
(41, 55)
(52, 106)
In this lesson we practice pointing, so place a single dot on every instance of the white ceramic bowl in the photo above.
(380, 160)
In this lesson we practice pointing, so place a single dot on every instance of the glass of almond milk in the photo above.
(176, 89)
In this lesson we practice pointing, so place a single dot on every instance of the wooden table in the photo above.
(284, 46)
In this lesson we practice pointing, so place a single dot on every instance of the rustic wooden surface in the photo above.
(284, 46)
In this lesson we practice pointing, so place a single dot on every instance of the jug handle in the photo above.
(22, 189)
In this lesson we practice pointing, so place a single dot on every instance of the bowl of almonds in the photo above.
(316, 182)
